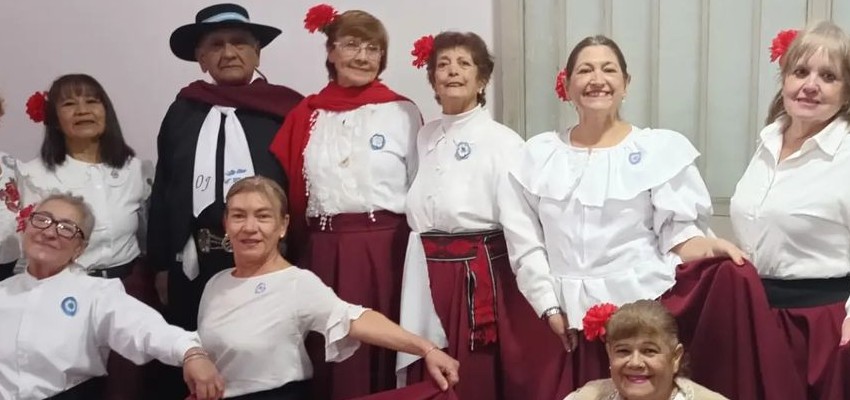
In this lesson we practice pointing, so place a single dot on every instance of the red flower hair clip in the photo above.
(560, 85)
(23, 215)
(422, 49)
(36, 106)
(319, 17)
(780, 44)
(596, 318)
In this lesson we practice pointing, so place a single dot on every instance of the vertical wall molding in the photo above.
(702, 131)
(655, 70)
(510, 47)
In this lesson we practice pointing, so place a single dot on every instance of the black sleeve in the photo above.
(160, 252)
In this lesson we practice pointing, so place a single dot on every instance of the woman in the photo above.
(799, 240)
(645, 358)
(9, 195)
(348, 153)
(611, 210)
(458, 286)
(254, 317)
(84, 153)
(57, 320)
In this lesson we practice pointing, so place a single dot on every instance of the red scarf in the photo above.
(256, 96)
(291, 140)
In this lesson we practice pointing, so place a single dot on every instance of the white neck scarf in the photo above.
(237, 157)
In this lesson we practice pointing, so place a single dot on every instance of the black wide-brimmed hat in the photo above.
(185, 38)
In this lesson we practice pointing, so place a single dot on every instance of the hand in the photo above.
(161, 284)
(443, 368)
(558, 325)
(845, 332)
(704, 247)
(202, 379)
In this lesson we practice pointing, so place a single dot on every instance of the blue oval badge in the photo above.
(377, 141)
(463, 151)
(69, 306)
(634, 158)
(261, 287)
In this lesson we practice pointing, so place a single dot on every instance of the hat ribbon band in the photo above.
(228, 16)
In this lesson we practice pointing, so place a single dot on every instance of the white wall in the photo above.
(124, 44)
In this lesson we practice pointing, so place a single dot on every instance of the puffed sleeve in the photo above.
(320, 310)
(682, 208)
(524, 235)
(136, 331)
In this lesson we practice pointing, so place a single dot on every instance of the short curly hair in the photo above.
(477, 49)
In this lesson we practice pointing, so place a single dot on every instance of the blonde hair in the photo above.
(265, 187)
(835, 43)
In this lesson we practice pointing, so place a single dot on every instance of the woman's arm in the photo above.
(377, 330)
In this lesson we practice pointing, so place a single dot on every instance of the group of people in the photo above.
(278, 232)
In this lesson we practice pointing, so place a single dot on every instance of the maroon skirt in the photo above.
(813, 334)
(421, 391)
(733, 341)
(499, 353)
(362, 260)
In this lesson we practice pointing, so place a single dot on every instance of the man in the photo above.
(212, 135)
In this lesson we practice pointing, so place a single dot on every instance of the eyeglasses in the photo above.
(352, 48)
(64, 229)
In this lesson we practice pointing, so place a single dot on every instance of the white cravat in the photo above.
(237, 165)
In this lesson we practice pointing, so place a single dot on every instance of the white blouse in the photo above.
(57, 332)
(10, 246)
(254, 328)
(117, 198)
(605, 218)
(361, 160)
(792, 217)
(461, 186)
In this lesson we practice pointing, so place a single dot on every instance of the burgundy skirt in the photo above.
(500, 354)
(362, 261)
(421, 391)
(731, 337)
(813, 334)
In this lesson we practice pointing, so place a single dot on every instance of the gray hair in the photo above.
(87, 224)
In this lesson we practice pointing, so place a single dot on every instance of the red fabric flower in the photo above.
(318, 17)
(23, 216)
(10, 195)
(35, 106)
(422, 49)
(560, 85)
(781, 42)
(595, 319)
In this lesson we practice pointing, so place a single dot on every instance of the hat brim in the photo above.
(185, 39)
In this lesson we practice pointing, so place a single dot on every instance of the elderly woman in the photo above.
(59, 323)
(790, 208)
(84, 153)
(611, 209)
(458, 286)
(645, 358)
(348, 153)
(10, 197)
(254, 317)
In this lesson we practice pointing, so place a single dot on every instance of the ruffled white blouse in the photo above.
(606, 218)
(10, 246)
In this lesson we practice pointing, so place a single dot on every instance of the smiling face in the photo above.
(82, 116)
(356, 62)
(456, 78)
(644, 367)
(815, 89)
(44, 246)
(255, 226)
(597, 82)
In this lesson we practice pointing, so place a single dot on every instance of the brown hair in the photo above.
(265, 187)
(361, 25)
(823, 35)
(114, 151)
(597, 40)
(1, 107)
(643, 317)
(476, 47)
